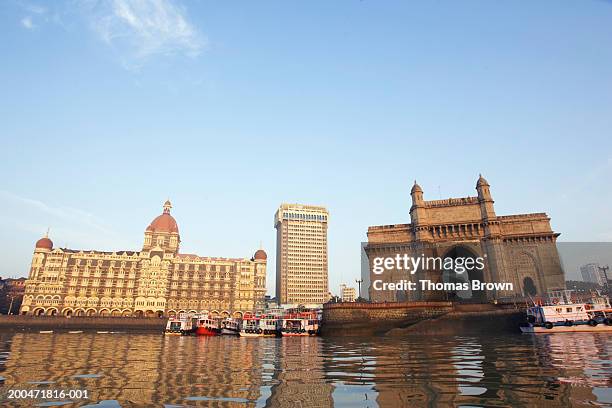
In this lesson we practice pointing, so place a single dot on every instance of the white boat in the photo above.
(300, 323)
(182, 325)
(561, 313)
(250, 327)
(230, 327)
(75, 331)
(270, 325)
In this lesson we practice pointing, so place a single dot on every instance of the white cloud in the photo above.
(144, 28)
(62, 213)
(27, 23)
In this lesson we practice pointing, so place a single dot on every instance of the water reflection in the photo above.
(153, 370)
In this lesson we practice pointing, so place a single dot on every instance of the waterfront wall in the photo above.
(60, 323)
(378, 318)
(401, 318)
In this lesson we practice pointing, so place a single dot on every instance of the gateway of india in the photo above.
(519, 249)
(156, 281)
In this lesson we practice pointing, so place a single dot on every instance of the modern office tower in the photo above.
(591, 273)
(301, 254)
(347, 293)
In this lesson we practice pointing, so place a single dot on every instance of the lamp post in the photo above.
(359, 285)
(11, 306)
(605, 270)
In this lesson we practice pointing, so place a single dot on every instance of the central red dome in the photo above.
(44, 243)
(164, 222)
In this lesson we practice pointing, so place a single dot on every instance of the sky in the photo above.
(108, 108)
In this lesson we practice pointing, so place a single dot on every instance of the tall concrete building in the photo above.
(301, 254)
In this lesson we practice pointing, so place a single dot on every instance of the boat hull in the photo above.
(583, 328)
(206, 331)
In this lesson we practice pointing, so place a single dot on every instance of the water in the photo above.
(156, 370)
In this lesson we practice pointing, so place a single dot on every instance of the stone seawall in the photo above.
(60, 323)
(378, 318)
(399, 318)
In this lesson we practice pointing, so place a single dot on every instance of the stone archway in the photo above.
(461, 275)
(52, 311)
(527, 273)
(529, 287)
(39, 311)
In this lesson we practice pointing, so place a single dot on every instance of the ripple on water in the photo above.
(143, 369)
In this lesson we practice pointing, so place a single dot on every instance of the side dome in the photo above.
(44, 243)
(260, 255)
(481, 181)
(416, 188)
(164, 222)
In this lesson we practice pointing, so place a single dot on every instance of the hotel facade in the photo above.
(155, 281)
(301, 254)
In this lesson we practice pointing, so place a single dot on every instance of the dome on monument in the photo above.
(260, 255)
(482, 182)
(164, 222)
(44, 243)
(416, 188)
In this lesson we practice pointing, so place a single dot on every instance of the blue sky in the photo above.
(107, 108)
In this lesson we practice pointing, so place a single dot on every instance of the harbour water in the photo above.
(129, 369)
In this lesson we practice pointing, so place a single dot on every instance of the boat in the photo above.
(300, 323)
(46, 331)
(250, 326)
(207, 326)
(75, 331)
(270, 325)
(174, 326)
(562, 313)
(230, 327)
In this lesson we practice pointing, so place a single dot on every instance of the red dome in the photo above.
(44, 243)
(261, 255)
(163, 223)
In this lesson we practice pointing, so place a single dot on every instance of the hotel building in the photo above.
(301, 254)
(157, 280)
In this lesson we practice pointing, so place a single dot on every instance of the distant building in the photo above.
(347, 293)
(11, 295)
(591, 272)
(155, 281)
(301, 254)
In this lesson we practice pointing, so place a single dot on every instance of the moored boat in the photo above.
(270, 325)
(302, 323)
(230, 327)
(173, 326)
(183, 325)
(561, 313)
(207, 326)
(250, 326)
